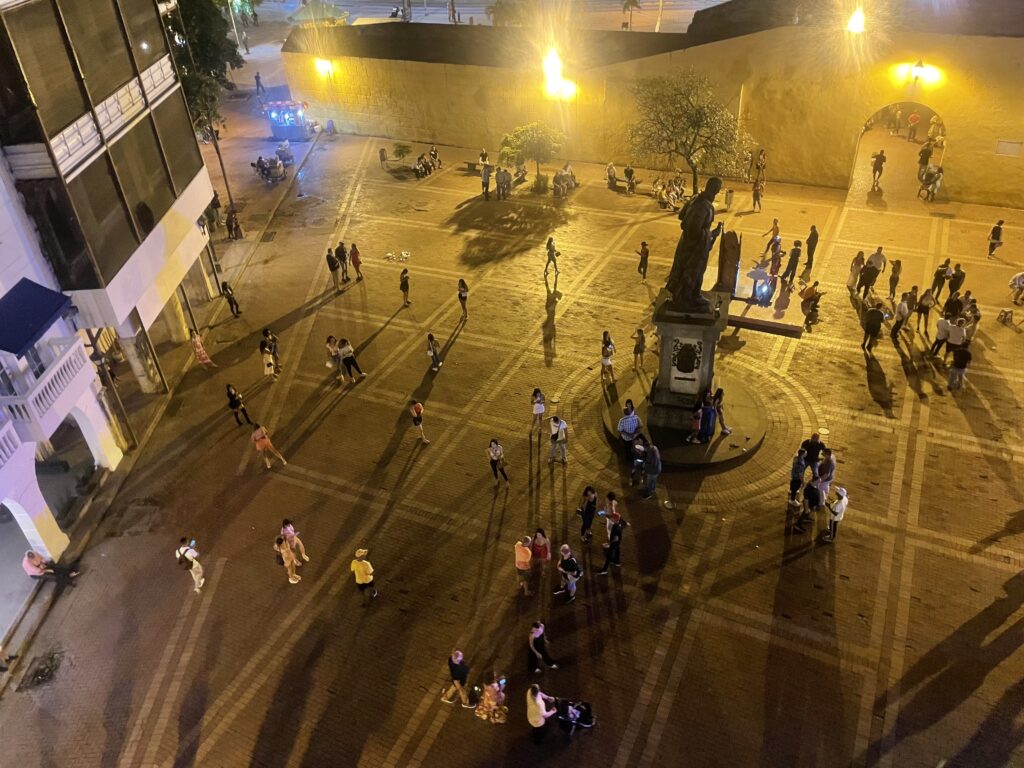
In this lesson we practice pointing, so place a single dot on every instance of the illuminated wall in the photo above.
(803, 91)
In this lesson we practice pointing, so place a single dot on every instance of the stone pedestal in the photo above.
(686, 364)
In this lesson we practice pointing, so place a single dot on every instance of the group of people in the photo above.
(338, 261)
(564, 181)
(814, 455)
(670, 192)
(766, 272)
(427, 163)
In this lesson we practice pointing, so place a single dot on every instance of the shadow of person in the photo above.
(950, 673)
(1012, 527)
(875, 199)
(548, 328)
(878, 385)
(999, 735)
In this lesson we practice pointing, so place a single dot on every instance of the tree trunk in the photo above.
(537, 174)
(631, 19)
(693, 172)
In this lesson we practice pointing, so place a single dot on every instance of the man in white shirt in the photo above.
(188, 557)
(878, 260)
(941, 334)
(957, 336)
(902, 313)
(537, 711)
(559, 438)
(836, 511)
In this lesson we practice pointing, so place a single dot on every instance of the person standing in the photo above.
(537, 399)
(796, 476)
(229, 294)
(942, 273)
(237, 405)
(900, 317)
(261, 440)
(957, 338)
(924, 308)
(718, 400)
(293, 541)
(215, 205)
(334, 267)
(958, 370)
(813, 448)
(956, 279)
(645, 254)
(855, 267)
(496, 455)
(877, 166)
(287, 558)
(836, 513)
(762, 164)
(894, 277)
(523, 556)
(613, 549)
(559, 439)
(652, 469)
(357, 261)
(492, 707)
(570, 573)
(826, 473)
(188, 557)
(363, 570)
(586, 511)
(403, 286)
(995, 239)
(348, 358)
(553, 255)
(873, 320)
(607, 350)
(268, 361)
(434, 352)
(757, 193)
(334, 358)
(941, 334)
(789, 275)
(272, 346)
(458, 671)
(463, 297)
(199, 350)
(537, 650)
(416, 410)
(537, 712)
(774, 231)
(639, 347)
(912, 120)
(812, 246)
(485, 180)
(245, 42)
(924, 156)
(259, 86)
(341, 254)
(255, 17)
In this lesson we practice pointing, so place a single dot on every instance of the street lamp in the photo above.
(856, 22)
(918, 70)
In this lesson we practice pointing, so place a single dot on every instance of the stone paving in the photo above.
(723, 639)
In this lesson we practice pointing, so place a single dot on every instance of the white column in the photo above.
(138, 354)
(25, 501)
(173, 315)
(96, 429)
(198, 285)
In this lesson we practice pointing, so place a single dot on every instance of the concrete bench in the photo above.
(472, 165)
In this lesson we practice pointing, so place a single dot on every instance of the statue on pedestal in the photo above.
(693, 249)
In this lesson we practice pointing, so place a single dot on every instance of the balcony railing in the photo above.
(9, 442)
(39, 412)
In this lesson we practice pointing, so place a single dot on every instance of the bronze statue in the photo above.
(693, 249)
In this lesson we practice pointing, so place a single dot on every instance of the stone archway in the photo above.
(887, 129)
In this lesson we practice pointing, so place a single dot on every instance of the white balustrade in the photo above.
(9, 442)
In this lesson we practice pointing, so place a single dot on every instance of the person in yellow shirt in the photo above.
(523, 557)
(363, 570)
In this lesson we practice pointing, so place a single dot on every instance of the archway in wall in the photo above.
(66, 477)
(888, 130)
(15, 586)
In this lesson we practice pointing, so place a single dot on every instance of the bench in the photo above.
(471, 166)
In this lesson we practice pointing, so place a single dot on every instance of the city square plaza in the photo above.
(726, 637)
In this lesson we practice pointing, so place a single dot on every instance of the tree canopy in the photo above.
(681, 118)
(534, 141)
(511, 13)
(203, 52)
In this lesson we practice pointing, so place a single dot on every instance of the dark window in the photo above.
(95, 32)
(178, 139)
(145, 31)
(103, 217)
(48, 204)
(46, 64)
(18, 121)
(140, 168)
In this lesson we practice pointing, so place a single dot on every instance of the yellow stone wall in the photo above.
(804, 94)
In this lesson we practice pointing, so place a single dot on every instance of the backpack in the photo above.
(183, 561)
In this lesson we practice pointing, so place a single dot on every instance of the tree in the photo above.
(510, 13)
(401, 151)
(198, 32)
(681, 118)
(535, 141)
(629, 6)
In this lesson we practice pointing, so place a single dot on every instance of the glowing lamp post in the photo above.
(555, 86)
(856, 23)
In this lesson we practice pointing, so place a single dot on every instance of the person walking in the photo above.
(570, 573)
(613, 549)
(245, 42)
(855, 267)
(900, 316)
(958, 370)
(463, 298)
(416, 410)
(537, 712)
(229, 294)
(334, 358)
(924, 156)
(363, 570)
(718, 400)
(912, 120)
(942, 273)
(894, 277)
(877, 166)
(607, 350)
(188, 558)
(261, 440)
(496, 455)
(559, 439)
(341, 254)
(537, 650)
(957, 337)
(458, 671)
(639, 347)
(924, 308)
(652, 469)
(812, 246)
(485, 180)
(873, 320)
(796, 476)
(199, 350)
(789, 275)
(272, 345)
(434, 352)
(237, 405)
(645, 254)
(553, 255)
(403, 286)
(757, 194)
(259, 86)
(537, 399)
(287, 558)
(293, 541)
(357, 261)
(813, 448)
(523, 556)
(348, 359)
(268, 361)
(586, 511)
(773, 231)
(836, 513)
(334, 267)
(995, 238)
(941, 334)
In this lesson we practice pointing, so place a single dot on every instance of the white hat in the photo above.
(362, 552)
(841, 492)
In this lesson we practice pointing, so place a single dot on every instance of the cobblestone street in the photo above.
(722, 640)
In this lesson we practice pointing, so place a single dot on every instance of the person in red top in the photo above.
(912, 120)
(540, 548)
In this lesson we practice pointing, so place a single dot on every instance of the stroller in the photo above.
(573, 715)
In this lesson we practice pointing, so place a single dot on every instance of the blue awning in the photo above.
(26, 313)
